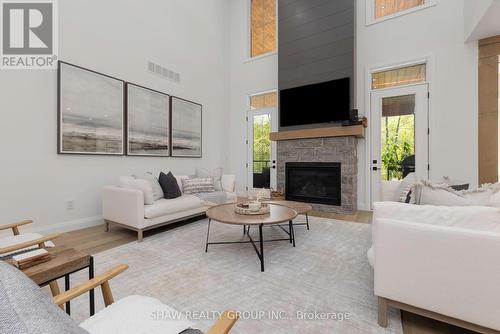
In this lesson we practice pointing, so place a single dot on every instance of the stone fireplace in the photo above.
(325, 153)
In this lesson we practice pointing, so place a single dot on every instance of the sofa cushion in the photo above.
(169, 185)
(216, 197)
(137, 314)
(25, 309)
(165, 206)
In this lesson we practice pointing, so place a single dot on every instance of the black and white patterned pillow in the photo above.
(198, 185)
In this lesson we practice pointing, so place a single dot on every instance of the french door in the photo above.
(261, 162)
(399, 136)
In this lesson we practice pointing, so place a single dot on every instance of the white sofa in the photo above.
(440, 262)
(125, 206)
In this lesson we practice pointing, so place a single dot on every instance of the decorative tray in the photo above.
(243, 209)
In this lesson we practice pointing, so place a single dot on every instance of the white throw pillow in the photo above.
(145, 187)
(442, 195)
(125, 181)
(215, 174)
(405, 187)
(153, 181)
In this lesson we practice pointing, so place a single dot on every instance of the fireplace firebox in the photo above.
(313, 182)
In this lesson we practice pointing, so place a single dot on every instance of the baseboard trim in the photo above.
(71, 225)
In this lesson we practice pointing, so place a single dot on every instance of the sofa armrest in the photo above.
(448, 270)
(228, 182)
(123, 205)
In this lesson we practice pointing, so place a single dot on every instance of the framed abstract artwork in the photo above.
(186, 123)
(90, 112)
(148, 122)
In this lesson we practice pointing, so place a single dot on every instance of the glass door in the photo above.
(261, 164)
(399, 137)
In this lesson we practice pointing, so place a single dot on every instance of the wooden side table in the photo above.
(64, 262)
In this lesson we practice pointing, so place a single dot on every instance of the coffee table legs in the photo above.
(208, 233)
(307, 221)
(261, 255)
(292, 233)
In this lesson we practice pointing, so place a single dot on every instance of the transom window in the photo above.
(263, 27)
(399, 76)
(266, 100)
(379, 10)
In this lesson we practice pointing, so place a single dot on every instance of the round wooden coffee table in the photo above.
(301, 208)
(278, 214)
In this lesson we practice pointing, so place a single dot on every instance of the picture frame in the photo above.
(90, 112)
(186, 128)
(148, 122)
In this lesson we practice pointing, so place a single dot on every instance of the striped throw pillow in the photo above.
(198, 185)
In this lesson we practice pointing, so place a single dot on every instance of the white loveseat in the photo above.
(440, 262)
(125, 206)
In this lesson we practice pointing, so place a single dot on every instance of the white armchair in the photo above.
(440, 262)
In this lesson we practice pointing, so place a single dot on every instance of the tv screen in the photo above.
(324, 102)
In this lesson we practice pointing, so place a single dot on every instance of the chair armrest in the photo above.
(123, 205)
(25, 244)
(101, 280)
(228, 182)
(14, 226)
(225, 323)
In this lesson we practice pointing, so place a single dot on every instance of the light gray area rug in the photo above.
(326, 274)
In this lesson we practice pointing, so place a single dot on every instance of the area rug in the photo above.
(323, 285)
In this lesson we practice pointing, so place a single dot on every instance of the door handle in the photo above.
(274, 166)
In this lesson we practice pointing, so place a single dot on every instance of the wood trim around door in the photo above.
(489, 52)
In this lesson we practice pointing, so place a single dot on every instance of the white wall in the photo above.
(115, 37)
(246, 78)
(438, 33)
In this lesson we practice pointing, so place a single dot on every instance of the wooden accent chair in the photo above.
(222, 326)
(18, 241)
(25, 308)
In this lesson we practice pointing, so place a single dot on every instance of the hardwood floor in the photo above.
(94, 240)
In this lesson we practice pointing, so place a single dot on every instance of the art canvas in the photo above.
(147, 122)
(91, 112)
(186, 128)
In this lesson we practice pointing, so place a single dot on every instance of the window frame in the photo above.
(370, 11)
(249, 35)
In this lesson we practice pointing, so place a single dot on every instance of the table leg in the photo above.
(244, 229)
(292, 234)
(261, 241)
(307, 221)
(66, 287)
(91, 292)
(290, 224)
(208, 233)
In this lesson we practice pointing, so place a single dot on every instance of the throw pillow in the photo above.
(444, 195)
(169, 185)
(24, 308)
(143, 186)
(125, 180)
(198, 185)
(215, 174)
(157, 190)
(405, 188)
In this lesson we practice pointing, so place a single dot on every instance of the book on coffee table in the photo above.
(31, 258)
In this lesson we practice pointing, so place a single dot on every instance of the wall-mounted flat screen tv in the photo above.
(325, 102)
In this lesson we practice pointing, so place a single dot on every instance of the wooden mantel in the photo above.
(333, 131)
